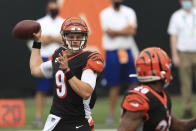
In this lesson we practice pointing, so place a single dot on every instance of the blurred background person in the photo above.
(119, 26)
(51, 40)
(182, 31)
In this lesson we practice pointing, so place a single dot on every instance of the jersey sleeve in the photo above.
(136, 102)
(46, 68)
(90, 77)
(95, 62)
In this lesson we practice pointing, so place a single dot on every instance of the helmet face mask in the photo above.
(154, 64)
(76, 42)
(78, 30)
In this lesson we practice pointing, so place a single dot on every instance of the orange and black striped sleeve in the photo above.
(136, 102)
(95, 62)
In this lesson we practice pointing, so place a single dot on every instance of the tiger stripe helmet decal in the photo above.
(153, 64)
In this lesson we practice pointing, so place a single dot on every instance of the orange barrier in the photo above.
(89, 10)
(12, 112)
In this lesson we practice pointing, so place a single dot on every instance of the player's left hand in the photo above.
(62, 60)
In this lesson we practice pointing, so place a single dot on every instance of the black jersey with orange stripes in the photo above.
(156, 107)
(66, 103)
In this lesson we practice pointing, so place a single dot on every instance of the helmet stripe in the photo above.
(75, 24)
(163, 54)
(159, 60)
(142, 58)
(148, 53)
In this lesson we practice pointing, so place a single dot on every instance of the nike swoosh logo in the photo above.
(79, 126)
(134, 104)
(98, 62)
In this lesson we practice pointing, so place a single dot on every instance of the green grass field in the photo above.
(100, 113)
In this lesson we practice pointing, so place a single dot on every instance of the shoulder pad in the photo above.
(135, 102)
(95, 62)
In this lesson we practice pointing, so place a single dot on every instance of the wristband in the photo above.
(68, 73)
(36, 44)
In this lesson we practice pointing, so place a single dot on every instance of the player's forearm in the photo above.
(122, 128)
(191, 124)
(83, 89)
(125, 127)
(183, 125)
(131, 121)
(35, 62)
(173, 41)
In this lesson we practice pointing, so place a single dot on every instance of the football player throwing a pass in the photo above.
(147, 107)
(75, 72)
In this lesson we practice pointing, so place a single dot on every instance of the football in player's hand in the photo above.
(25, 29)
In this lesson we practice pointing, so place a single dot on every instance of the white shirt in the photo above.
(117, 20)
(50, 27)
(183, 25)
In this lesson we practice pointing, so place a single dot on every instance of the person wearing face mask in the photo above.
(119, 25)
(182, 31)
(51, 40)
